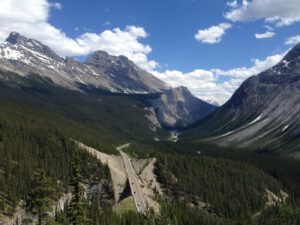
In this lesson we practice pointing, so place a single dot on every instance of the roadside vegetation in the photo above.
(203, 183)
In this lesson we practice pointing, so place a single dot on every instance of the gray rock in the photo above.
(115, 74)
(174, 107)
(177, 107)
(264, 112)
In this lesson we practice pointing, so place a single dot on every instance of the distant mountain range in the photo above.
(264, 113)
(116, 74)
(100, 70)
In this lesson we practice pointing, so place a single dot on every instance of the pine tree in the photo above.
(77, 207)
(1, 207)
(42, 195)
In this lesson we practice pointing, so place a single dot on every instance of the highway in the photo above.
(135, 187)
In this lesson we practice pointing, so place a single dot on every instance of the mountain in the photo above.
(263, 113)
(100, 70)
(177, 107)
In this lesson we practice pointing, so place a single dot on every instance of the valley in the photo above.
(185, 161)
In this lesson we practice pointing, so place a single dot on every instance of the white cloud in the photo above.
(107, 23)
(205, 84)
(120, 42)
(292, 40)
(269, 28)
(267, 34)
(30, 18)
(280, 12)
(232, 4)
(212, 34)
(56, 5)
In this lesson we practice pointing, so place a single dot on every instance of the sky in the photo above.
(209, 46)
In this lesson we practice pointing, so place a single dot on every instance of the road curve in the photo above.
(135, 187)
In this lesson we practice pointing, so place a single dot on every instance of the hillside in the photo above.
(263, 112)
(100, 70)
(42, 140)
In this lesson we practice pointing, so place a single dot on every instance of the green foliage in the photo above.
(284, 169)
(114, 118)
(32, 139)
(41, 196)
(289, 215)
(232, 189)
(38, 120)
(77, 207)
(171, 213)
(280, 214)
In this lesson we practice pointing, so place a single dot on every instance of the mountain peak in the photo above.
(102, 58)
(293, 54)
(19, 40)
(15, 37)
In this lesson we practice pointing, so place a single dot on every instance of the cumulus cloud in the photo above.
(30, 18)
(205, 83)
(232, 4)
(212, 34)
(56, 5)
(292, 40)
(267, 34)
(269, 28)
(280, 12)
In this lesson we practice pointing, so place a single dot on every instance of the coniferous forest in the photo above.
(203, 183)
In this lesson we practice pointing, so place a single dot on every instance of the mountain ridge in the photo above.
(262, 113)
(115, 74)
(29, 55)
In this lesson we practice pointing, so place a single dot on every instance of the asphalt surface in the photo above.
(135, 187)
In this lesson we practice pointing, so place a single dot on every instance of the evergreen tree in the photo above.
(77, 206)
(42, 195)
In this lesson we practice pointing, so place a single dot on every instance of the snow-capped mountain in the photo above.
(264, 111)
(118, 74)
(113, 73)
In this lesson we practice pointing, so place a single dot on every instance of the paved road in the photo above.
(135, 187)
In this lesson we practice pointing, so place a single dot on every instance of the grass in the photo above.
(126, 205)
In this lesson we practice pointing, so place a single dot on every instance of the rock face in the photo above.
(174, 107)
(264, 112)
(177, 107)
(115, 74)
(125, 73)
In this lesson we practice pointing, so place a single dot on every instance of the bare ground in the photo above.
(144, 168)
(148, 181)
(116, 166)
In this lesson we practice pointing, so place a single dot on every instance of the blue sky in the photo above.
(171, 25)
(210, 46)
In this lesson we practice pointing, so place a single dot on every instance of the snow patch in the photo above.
(9, 53)
(80, 70)
(230, 132)
(40, 56)
(286, 63)
(254, 121)
(286, 127)
(36, 43)
(30, 44)
(81, 81)
(94, 73)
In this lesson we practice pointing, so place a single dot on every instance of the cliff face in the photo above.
(177, 107)
(264, 111)
(100, 70)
